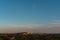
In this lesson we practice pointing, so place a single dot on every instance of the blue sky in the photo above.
(29, 13)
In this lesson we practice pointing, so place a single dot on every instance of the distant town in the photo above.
(28, 36)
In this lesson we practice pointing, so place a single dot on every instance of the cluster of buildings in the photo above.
(26, 33)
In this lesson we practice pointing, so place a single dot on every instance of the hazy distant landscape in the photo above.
(29, 19)
(29, 36)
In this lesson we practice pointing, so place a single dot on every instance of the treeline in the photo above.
(18, 36)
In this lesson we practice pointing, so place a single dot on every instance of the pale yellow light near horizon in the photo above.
(52, 27)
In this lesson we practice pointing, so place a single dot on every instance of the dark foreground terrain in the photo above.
(24, 36)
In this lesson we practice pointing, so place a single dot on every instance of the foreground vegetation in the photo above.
(19, 36)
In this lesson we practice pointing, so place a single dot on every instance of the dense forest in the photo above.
(20, 36)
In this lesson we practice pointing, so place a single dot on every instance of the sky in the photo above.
(30, 15)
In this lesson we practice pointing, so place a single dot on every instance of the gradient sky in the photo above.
(29, 15)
